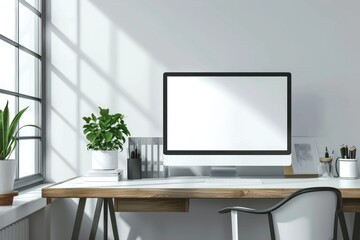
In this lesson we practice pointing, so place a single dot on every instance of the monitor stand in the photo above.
(226, 171)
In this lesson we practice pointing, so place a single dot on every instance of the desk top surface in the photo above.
(198, 187)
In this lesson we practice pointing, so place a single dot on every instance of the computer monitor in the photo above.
(227, 119)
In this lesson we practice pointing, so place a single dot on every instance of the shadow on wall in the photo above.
(213, 36)
(112, 53)
(109, 53)
(65, 220)
(179, 42)
(201, 222)
(308, 115)
(79, 83)
(109, 79)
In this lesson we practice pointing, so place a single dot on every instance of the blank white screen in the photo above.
(226, 113)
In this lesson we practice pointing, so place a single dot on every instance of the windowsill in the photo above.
(27, 202)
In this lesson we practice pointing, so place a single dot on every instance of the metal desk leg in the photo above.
(95, 222)
(78, 219)
(113, 218)
(105, 219)
(342, 222)
(356, 231)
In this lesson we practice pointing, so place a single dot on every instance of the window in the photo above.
(22, 72)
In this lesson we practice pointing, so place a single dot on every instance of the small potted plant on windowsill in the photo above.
(8, 132)
(106, 136)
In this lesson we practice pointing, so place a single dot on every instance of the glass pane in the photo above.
(28, 29)
(34, 3)
(8, 18)
(29, 74)
(29, 155)
(31, 116)
(7, 66)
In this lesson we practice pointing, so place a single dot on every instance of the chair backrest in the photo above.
(308, 214)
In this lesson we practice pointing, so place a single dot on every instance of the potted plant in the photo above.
(8, 132)
(106, 136)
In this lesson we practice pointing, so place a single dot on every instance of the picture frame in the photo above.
(304, 158)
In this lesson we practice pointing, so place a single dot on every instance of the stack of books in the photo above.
(103, 175)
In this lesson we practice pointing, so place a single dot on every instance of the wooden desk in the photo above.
(173, 194)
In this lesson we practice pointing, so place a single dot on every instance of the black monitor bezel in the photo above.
(227, 152)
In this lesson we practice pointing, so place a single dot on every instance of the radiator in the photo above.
(16, 231)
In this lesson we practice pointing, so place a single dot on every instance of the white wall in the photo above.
(113, 53)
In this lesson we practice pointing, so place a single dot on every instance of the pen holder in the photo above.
(346, 168)
(134, 168)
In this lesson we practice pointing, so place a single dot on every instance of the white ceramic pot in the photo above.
(7, 175)
(346, 168)
(104, 159)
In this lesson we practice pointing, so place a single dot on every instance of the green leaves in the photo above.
(105, 132)
(2, 151)
(104, 112)
(87, 119)
(15, 121)
(108, 136)
(8, 131)
(93, 117)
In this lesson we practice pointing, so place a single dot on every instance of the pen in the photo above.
(346, 151)
(326, 152)
(342, 151)
(138, 154)
(354, 152)
(350, 153)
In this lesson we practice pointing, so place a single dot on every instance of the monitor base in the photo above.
(225, 171)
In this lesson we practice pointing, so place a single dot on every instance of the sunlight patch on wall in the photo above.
(62, 96)
(59, 170)
(94, 85)
(140, 76)
(63, 58)
(123, 225)
(62, 134)
(85, 109)
(95, 35)
(63, 152)
(64, 16)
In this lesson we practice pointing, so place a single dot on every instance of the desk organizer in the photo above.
(151, 154)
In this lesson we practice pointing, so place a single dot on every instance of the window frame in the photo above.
(37, 178)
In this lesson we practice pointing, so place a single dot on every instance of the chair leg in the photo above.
(234, 225)
(271, 225)
(343, 226)
(356, 231)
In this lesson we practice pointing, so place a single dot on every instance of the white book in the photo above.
(103, 173)
(102, 179)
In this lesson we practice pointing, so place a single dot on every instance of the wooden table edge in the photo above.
(48, 199)
(200, 193)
